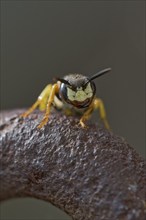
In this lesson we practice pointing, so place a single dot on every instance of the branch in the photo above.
(89, 173)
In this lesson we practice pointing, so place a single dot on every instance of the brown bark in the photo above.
(89, 173)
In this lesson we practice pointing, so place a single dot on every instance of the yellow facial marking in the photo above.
(71, 94)
(80, 95)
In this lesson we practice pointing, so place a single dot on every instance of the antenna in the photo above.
(100, 73)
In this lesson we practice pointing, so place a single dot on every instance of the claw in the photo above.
(43, 123)
(24, 115)
(83, 124)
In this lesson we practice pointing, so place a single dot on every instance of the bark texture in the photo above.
(91, 173)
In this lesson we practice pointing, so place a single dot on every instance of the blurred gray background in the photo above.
(44, 39)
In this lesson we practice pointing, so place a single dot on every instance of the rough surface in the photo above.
(91, 174)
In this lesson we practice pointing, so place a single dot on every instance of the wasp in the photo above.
(72, 93)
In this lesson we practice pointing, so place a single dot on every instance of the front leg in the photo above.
(54, 90)
(86, 116)
(98, 104)
(41, 100)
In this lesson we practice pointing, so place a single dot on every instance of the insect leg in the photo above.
(53, 92)
(98, 104)
(44, 97)
(41, 101)
(86, 116)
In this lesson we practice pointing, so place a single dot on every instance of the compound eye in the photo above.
(67, 93)
(93, 87)
(63, 92)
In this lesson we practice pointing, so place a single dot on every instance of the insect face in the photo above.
(77, 91)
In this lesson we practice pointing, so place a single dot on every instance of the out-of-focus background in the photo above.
(44, 39)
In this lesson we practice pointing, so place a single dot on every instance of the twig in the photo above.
(89, 173)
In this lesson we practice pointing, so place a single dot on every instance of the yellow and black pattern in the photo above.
(73, 93)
